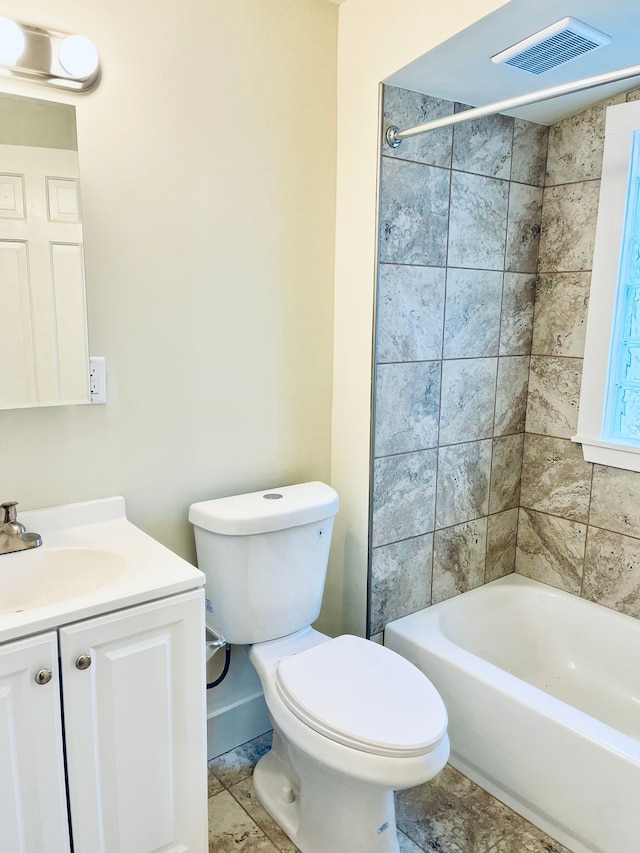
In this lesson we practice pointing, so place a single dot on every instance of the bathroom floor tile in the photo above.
(238, 763)
(243, 792)
(215, 785)
(528, 839)
(453, 814)
(231, 828)
(407, 845)
(450, 814)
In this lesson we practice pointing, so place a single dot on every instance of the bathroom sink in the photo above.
(92, 561)
(44, 576)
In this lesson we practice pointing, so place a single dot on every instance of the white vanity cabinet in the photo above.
(135, 728)
(33, 799)
(131, 693)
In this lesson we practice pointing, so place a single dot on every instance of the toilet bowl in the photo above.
(351, 724)
(352, 720)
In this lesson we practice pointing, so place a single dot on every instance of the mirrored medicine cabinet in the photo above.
(43, 318)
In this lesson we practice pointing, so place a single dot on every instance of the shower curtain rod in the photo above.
(394, 135)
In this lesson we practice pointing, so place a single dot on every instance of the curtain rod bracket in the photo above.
(390, 136)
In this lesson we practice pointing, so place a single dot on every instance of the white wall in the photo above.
(376, 38)
(207, 156)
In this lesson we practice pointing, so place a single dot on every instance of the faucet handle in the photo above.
(10, 511)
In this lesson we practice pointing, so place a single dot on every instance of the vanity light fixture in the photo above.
(12, 41)
(55, 58)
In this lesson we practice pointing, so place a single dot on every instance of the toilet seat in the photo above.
(364, 696)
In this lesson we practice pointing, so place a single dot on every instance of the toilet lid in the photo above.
(363, 695)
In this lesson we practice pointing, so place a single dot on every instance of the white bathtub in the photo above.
(543, 694)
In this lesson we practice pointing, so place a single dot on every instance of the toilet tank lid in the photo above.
(267, 510)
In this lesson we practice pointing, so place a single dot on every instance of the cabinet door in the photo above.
(135, 729)
(33, 800)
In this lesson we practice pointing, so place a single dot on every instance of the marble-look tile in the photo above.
(414, 213)
(502, 532)
(377, 638)
(483, 146)
(407, 845)
(238, 763)
(555, 478)
(569, 227)
(403, 108)
(560, 323)
(614, 500)
(576, 145)
(554, 395)
(214, 785)
(511, 394)
(523, 228)
(472, 313)
(410, 313)
(400, 579)
(506, 469)
(528, 839)
(477, 230)
(468, 399)
(407, 407)
(231, 828)
(452, 815)
(244, 794)
(463, 482)
(404, 489)
(551, 550)
(529, 157)
(516, 323)
(458, 558)
(612, 571)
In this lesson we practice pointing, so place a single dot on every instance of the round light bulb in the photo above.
(78, 56)
(12, 41)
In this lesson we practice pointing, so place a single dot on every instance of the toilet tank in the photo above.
(264, 555)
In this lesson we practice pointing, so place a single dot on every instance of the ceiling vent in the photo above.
(561, 42)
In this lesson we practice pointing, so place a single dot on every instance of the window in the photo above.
(622, 406)
(609, 418)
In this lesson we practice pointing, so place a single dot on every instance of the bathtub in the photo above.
(543, 694)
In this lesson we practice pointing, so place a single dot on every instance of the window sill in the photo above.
(603, 453)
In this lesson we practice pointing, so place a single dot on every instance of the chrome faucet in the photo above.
(13, 534)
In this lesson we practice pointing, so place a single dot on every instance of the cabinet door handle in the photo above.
(83, 662)
(43, 676)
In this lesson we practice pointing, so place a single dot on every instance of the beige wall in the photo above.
(376, 38)
(207, 156)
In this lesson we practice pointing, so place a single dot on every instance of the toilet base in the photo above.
(321, 811)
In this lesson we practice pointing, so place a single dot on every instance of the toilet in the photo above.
(352, 720)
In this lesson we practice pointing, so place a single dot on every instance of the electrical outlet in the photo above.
(98, 379)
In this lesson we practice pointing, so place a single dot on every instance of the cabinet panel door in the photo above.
(135, 729)
(33, 801)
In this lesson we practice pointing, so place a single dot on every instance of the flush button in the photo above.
(272, 496)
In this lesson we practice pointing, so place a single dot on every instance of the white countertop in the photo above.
(139, 568)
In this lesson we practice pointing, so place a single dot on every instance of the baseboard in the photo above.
(231, 725)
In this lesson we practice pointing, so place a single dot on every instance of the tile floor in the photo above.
(450, 814)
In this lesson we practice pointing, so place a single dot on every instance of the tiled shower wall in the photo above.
(579, 524)
(459, 232)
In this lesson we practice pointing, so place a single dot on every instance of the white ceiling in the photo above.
(461, 69)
